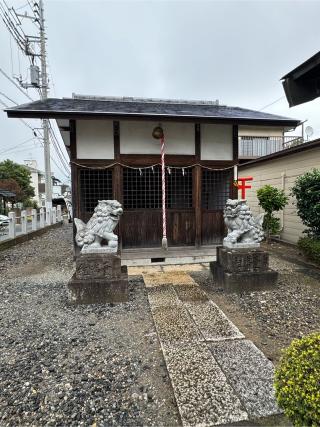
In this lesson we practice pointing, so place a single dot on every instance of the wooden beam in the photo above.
(235, 144)
(73, 140)
(197, 134)
(151, 159)
(196, 178)
(74, 181)
(117, 176)
(197, 175)
(116, 140)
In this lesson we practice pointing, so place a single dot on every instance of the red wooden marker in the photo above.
(242, 186)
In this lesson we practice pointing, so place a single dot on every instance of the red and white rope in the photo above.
(163, 178)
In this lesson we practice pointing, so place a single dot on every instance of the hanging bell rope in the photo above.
(159, 134)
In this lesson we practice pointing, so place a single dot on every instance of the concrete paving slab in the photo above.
(170, 278)
(202, 392)
(185, 268)
(138, 271)
(162, 296)
(212, 322)
(174, 324)
(190, 293)
(250, 373)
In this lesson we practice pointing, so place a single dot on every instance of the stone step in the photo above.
(212, 322)
(217, 376)
(250, 373)
(203, 394)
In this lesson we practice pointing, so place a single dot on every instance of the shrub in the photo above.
(310, 247)
(297, 381)
(307, 193)
(30, 203)
(271, 199)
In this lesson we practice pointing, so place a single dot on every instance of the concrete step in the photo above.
(218, 377)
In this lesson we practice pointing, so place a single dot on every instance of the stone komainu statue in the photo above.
(243, 228)
(99, 227)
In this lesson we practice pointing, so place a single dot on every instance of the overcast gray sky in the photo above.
(234, 51)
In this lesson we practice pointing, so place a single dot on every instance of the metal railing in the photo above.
(257, 146)
(31, 221)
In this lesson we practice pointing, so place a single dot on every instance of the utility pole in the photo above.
(44, 95)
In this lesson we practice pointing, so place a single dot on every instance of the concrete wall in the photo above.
(282, 173)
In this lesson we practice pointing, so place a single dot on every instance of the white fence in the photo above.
(37, 219)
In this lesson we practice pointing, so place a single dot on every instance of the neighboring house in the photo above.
(256, 142)
(38, 183)
(7, 199)
(281, 170)
(113, 155)
(58, 188)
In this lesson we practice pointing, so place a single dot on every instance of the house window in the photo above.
(216, 188)
(142, 188)
(94, 185)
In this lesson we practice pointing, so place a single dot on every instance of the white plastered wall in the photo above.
(136, 138)
(95, 139)
(282, 173)
(216, 142)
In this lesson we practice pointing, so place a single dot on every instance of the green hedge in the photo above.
(310, 247)
(297, 381)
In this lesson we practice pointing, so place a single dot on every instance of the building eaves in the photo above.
(304, 68)
(138, 109)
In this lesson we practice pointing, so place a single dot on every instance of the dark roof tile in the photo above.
(69, 107)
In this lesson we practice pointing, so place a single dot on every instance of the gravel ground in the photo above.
(65, 365)
(271, 319)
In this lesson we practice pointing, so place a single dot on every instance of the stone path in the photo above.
(218, 376)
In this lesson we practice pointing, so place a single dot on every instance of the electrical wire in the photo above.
(21, 120)
(269, 105)
(57, 141)
(63, 163)
(18, 145)
(16, 85)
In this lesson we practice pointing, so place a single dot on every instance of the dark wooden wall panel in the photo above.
(181, 228)
(213, 228)
(141, 228)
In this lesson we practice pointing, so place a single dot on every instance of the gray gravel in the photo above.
(271, 319)
(66, 365)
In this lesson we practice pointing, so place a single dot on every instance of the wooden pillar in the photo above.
(197, 174)
(75, 197)
(235, 144)
(117, 177)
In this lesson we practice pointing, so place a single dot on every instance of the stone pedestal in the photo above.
(238, 270)
(99, 279)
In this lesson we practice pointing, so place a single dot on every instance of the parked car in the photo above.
(4, 220)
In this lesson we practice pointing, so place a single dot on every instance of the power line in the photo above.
(21, 120)
(18, 145)
(269, 105)
(57, 141)
(54, 139)
(16, 85)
